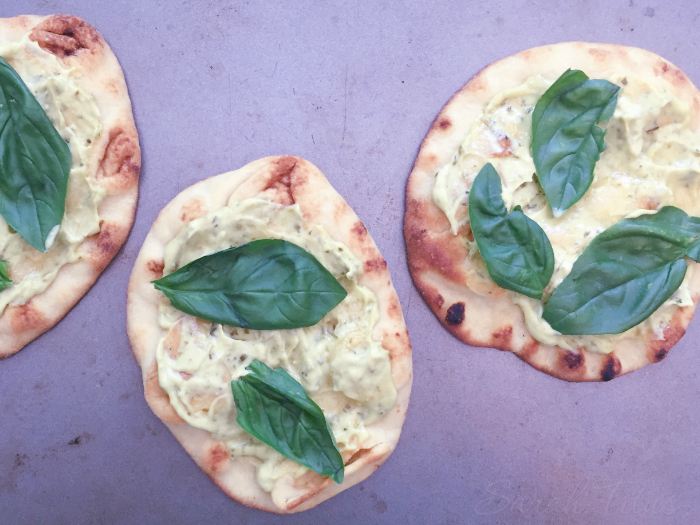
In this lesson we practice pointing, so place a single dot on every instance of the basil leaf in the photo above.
(34, 164)
(566, 142)
(268, 284)
(625, 274)
(276, 409)
(5, 281)
(516, 250)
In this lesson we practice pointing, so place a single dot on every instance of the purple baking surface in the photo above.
(353, 87)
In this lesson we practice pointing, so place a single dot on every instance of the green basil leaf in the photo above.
(276, 409)
(516, 250)
(268, 284)
(625, 274)
(34, 164)
(566, 141)
(5, 281)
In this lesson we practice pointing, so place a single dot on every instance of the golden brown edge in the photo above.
(435, 256)
(285, 179)
(115, 167)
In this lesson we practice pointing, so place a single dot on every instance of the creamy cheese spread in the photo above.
(74, 114)
(344, 370)
(652, 159)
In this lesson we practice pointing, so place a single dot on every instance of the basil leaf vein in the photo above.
(517, 252)
(625, 274)
(34, 164)
(268, 284)
(566, 141)
(276, 409)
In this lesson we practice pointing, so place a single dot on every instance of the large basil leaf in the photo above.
(516, 250)
(625, 274)
(268, 284)
(5, 281)
(276, 409)
(566, 141)
(34, 164)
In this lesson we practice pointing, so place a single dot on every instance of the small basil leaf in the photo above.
(624, 274)
(34, 164)
(5, 281)
(566, 141)
(276, 409)
(268, 284)
(516, 250)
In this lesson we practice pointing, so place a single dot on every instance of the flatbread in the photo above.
(285, 180)
(115, 166)
(439, 261)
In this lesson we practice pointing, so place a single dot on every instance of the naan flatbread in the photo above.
(439, 261)
(285, 180)
(114, 166)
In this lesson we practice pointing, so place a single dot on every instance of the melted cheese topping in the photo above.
(344, 370)
(74, 114)
(652, 159)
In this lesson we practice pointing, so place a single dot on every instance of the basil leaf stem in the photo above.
(276, 409)
(34, 164)
(625, 274)
(516, 250)
(566, 141)
(268, 284)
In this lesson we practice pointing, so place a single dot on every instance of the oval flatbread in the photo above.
(285, 180)
(439, 261)
(113, 168)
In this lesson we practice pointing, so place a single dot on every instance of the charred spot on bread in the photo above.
(426, 160)
(660, 354)
(439, 300)
(529, 349)
(105, 244)
(121, 163)
(375, 265)
(675, 75)
(359, 229)
(502, 336)
(27, 317)
(156, 268)
(280, 182)
(216, 457)
(193, 209)
(611, 369)
(455, 314)
(65, 36)
(444, 123)
(672, 334)
(573, 360)
(600, 55)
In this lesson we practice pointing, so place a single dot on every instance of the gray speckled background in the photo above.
(353, 87)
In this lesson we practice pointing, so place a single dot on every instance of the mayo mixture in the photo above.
(342, 368)
(74, 114)
(652, 159)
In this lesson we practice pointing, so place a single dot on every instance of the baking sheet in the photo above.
(353, 87)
